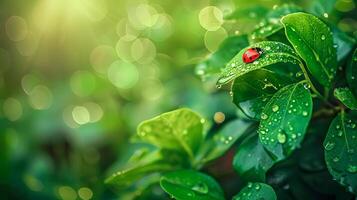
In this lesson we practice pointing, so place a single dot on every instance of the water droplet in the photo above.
(275, 108)
(190, 194)
(329, 146)
(298, 74)
(264, 116)
(325, 15)
(305, 113)
(142, 133)
(250, 184)
(340, 133)
(200, 188)
(352, 168)
(335, 159)
(202, 121)
(307, 86)
(323, 37)
(281, 138)
(257, 186)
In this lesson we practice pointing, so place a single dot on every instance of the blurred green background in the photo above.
(77, 76)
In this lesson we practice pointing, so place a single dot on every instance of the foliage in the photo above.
(282, 98)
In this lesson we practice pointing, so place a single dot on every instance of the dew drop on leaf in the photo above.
(264, 116)
(250, 185)
(200, 188)
(329, 146)
(257, 187)
(352, 168)
(275, 108)
(323, 37)
(340, 133)
(281, 138)
(305, 113)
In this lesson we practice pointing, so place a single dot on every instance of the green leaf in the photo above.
(256, 191)
(274, 52)
(218, 60)
(285, 118)
(224, 139)
(343, 43)
(313, 41)
(188, 184)
(351, 73)
(153, 162)
(272, 23)
(346, 97)
(251, 160)
(251, 96)
(340, 150)
(180, 130)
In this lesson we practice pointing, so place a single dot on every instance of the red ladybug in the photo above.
(251, 54)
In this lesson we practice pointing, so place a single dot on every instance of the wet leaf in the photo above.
(224, 139)
(342, 42)
(153, 162)
(273, 52)
(180, 130)
(188, 184)
(256, 191)
(285, 118)
(251, 96)
(351, 73)
(346, 97)
(251, 160)
(313, 41)
(271, 24)
(218, 60)
(341, 149)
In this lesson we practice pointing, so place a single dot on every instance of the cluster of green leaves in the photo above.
(304, 79)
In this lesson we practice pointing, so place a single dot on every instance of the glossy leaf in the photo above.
(251, 160)
(313, 41)
(188, 184)
(284, 120)
(180, 130)
(218, 60)
(346, 97)
(340, 150)
(256, 191)
(351, 73)
(271, 24)
(251, 96)
(274, 52)
(342, 42)
(224, 139)
(153, 162)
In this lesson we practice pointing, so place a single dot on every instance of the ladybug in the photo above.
(251, 54)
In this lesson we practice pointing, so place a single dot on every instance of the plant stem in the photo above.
(310, 82)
